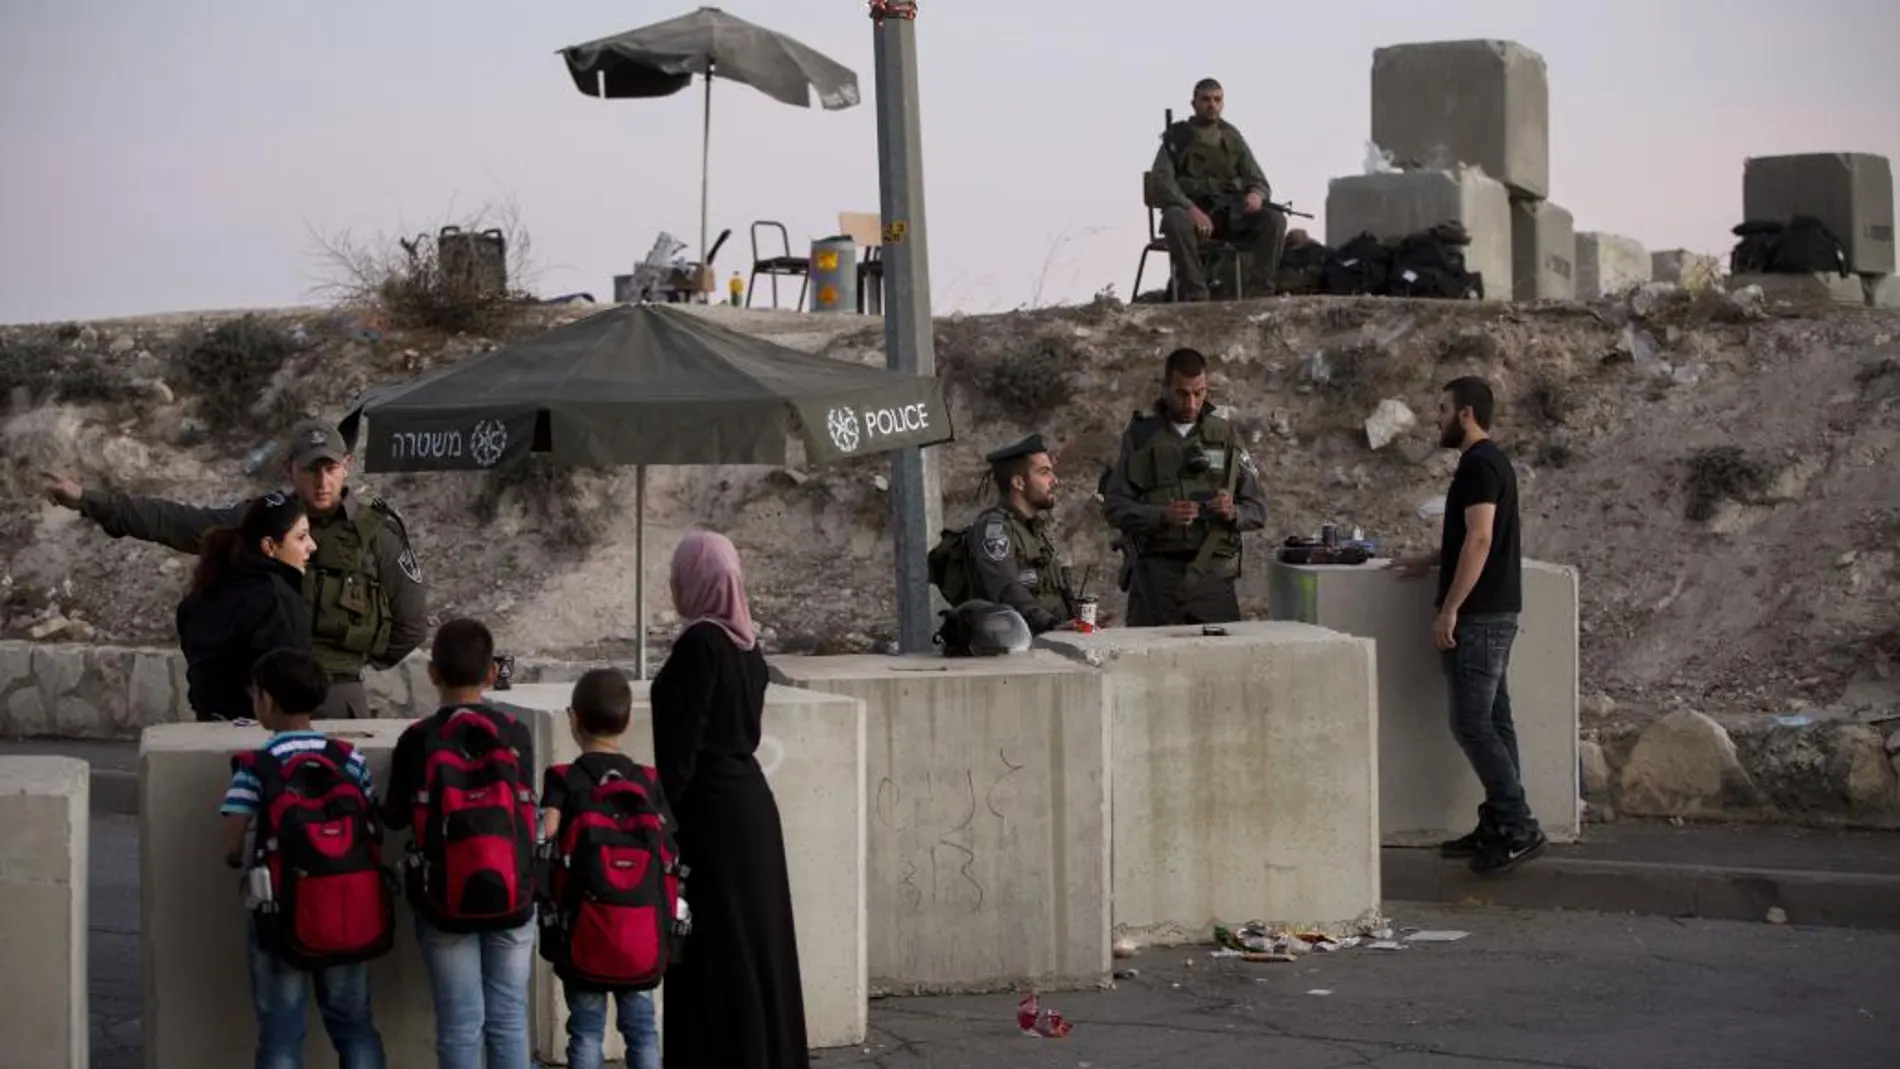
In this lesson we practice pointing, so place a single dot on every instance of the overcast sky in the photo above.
(170, 155)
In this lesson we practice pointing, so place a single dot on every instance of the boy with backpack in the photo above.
(612, 911)
(317, 915)
(462, 779)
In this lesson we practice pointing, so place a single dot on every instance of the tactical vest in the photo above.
(1033, 552)
(1158, 471)
(351, 608)
(1205, 165)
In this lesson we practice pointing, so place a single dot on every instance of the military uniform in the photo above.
(1209, 166)
(1012, 559)
(368, 603)
(1175, 573)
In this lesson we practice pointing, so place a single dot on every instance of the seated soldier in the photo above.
(1207, 184)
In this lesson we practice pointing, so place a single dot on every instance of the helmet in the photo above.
(980, 628)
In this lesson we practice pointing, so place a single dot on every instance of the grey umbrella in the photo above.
(638, 385)
(661, 59)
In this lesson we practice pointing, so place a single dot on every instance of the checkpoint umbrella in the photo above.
(661, 59)
(643, 384)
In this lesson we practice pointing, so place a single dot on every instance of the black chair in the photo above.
(777, 267)
(866, 229)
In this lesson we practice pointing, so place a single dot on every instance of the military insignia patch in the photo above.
(996, 541)
(407, 562)
(1247, 465)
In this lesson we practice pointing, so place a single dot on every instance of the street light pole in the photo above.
(916, 493)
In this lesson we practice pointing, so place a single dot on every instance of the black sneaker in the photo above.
(1504, 855)
(1471, 844)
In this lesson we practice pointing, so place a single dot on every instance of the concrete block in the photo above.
(195, 990)
(44, 1017)
(988, 836)
(1882, 291)
(1392, 206)
(1427, 792)
(1608, 264)
(1824, 288)
(1851, 192)
(1484, 103)
(1690, 270)
(1244, 775)
(813, 753)
(1543, 251)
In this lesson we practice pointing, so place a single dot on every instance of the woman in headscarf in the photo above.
(246, 600)
(734, 999)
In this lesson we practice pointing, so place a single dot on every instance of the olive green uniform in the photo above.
(1209, 166)
(364, 585)
(1013, 562)
(1175, 573)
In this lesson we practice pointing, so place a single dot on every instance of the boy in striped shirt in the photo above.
(287, 686)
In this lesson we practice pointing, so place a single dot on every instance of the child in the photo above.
(470, 871)
(287, 686)
(597, 715)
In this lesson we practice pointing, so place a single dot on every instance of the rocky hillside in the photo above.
(1719, 470)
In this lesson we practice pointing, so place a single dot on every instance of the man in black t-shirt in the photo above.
(1480, 594)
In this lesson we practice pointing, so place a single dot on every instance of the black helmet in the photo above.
(980, 628)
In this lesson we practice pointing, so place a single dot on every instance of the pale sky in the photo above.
(173, 155)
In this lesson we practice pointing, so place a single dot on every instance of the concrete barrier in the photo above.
(1244, 774)
(988, 834)
(194, 986)
(1850, 192)
(1826, 287)
(1608, 264)
(1543, 251)
(1398, 205)
(1480, 102)
(813, 754)
(44, 1018)
(1427, 791)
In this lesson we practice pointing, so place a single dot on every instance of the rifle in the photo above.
(1287, 209)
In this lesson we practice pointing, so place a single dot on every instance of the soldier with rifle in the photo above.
(1208, 185)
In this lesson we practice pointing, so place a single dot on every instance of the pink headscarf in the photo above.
(709, 585)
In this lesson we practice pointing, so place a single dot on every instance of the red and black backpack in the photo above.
(614, 917)
(471, 856)
(332, 900)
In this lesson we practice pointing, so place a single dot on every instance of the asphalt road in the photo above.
(1548, 990)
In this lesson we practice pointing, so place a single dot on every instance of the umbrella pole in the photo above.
(640, 564)
(705, 167)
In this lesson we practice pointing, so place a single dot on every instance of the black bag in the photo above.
(1431, 263)
(1302, 270)
(1806, 246)
(1359, 267)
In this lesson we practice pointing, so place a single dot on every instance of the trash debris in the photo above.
(1125, 948)
(1749, 300)
(1432, 508)
(1793, 721)
(1385, 944)
(1378, 160)
(1389, 420)
(1320, 991)
(1036, 1020)
(1777, 915)
(1435, 936)
(1127, 974)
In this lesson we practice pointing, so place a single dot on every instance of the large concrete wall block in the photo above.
(1485, 103)
(1396, 205)
(1543, 251)
(44, 842)
(1851, 192)
(1609, 264)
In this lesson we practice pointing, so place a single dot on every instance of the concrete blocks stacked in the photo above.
(1483, 104)
(44, 843)
(1427, 792)
(1393, 206)
(1608, 264)
(1851, 193)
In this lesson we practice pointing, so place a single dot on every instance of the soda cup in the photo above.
(1085, 616)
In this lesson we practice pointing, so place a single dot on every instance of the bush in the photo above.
(417, 287)
(548, 492)
(233, 368)
(34, 370)
(1723, 473)
(1030, 384)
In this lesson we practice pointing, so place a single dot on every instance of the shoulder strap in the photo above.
(1142, 429)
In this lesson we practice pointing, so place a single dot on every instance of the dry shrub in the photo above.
(238, 371)
(1028, 384)
(550, 493)
(417, 283)
(38, 368)
(1723, 473)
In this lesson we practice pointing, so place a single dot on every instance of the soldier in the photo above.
(1011, 559)
(363, 582)
(1182, 492)
(1208, 185)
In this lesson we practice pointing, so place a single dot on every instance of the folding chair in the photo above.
(1210, 248)
(776, 267)
(867, 230)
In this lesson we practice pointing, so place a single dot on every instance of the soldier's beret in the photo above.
(1028, 447)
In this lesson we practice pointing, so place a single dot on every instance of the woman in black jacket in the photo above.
(246, 599)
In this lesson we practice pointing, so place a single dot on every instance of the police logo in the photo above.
(996, 541)
(407, 562)
(319, 438)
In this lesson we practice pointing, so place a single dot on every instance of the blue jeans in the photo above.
(481, 994)
(587, 1027)
(1481, 718)
(279, 995)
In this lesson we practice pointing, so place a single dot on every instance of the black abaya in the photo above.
(734, 1001)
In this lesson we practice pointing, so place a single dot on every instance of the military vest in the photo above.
(1036, 554)
(1162, 468)
(352, 613)
(1205, 163)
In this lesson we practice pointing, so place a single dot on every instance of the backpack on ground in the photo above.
(1360, 266)
(329, 899)
(948, 564)
(471, 860)
(1754, 253)
(615, 918)
(1807, 246)
(1431, 263)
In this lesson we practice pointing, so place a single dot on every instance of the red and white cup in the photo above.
(1085, 616)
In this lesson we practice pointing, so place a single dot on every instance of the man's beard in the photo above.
(1451, 436)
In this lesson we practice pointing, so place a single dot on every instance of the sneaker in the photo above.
(1506, 854)
(1470, 844)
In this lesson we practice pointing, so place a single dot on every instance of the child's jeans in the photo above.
(481, 994)
(587, 1027)
(279, 995)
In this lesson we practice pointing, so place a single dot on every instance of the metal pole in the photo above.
(640, 565)
(916, 495)
(705, 174)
